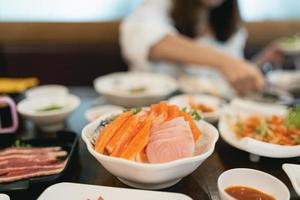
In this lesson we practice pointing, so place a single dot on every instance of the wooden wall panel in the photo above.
(76, 53)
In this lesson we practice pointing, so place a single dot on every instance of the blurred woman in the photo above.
(175, 36)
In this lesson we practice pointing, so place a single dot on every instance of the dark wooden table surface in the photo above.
(201, 184)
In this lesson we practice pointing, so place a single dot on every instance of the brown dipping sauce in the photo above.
(247, 193)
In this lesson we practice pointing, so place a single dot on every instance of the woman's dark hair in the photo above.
(223, 20)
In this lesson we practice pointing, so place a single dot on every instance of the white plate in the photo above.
(285, 79)
(116, 88)
(95, 112)
(74, 191)
(256, 147)
(206, 85)
(214, 102)
(293, 172)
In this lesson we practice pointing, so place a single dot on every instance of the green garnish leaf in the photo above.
(194, 113)
(196, 116)
(137, 90)
(185, 110)
(49, 108)
(134, 110)
(293, 118)
(19, 143)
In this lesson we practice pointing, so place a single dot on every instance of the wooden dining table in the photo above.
(200, 185)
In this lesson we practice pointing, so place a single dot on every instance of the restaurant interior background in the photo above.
(72, 42)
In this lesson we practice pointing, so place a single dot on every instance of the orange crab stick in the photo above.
(173, 112)
(138, 143)
(126, 131)
(108, 132)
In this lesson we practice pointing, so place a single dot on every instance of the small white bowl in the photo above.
(153, 176)
(4, 197)
(116, 88)
(46, 90)
(95, 112)
(254, 179)
(48, 121)
(212, 101)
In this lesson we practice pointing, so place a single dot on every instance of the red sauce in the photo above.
(247, 193)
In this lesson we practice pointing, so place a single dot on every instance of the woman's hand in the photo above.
(244, 76)
(271, 54)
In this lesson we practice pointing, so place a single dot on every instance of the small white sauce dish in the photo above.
(134, 89)
(153, 176)
(254, 179)
(183, 101)
(51, 120)
(46, 90)
(293, 172)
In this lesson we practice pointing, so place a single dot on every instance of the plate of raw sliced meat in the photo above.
(35, 160)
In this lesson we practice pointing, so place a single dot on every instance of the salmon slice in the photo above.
(109, 131)
(139, 142)
(195, 130)
(173, 112)
(124, 132)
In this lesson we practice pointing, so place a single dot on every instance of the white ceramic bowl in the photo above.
(153, 176)
(46, 90)
(254, 179)
(212, 101)
(50, 120)
(256, 147)
(116, 88)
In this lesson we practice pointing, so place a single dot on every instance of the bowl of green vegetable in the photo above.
(48, 112)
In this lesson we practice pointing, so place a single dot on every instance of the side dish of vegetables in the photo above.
(282, 130)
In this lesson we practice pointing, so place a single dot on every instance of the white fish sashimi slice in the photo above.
(174, 141)
(166, 150)
(170, 129)
(170, 133)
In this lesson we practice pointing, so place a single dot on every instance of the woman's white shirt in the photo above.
(149, 23)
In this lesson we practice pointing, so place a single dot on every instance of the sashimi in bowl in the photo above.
(157, 155)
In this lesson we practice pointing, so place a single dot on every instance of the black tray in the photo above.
(66, 139)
